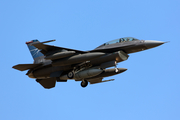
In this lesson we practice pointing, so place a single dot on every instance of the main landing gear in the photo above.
(84, 83)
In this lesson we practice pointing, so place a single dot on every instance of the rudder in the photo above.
(35, 52)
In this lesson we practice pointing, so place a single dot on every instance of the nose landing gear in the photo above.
(116, 69)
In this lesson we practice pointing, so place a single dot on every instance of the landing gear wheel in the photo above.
(84, 83)
(70, 75)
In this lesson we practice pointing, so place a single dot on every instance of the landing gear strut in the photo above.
(84, 83)
(116, 69)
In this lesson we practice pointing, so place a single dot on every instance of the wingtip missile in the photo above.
(48, 41)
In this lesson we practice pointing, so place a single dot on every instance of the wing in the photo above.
(23, 67)
(98, 80)
(48, 48)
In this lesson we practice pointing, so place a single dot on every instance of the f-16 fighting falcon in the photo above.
(57, 64)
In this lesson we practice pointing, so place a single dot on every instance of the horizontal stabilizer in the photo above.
(98, 80)
(23, 67)
(47, 83)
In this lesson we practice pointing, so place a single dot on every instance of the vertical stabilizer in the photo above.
(35, 52)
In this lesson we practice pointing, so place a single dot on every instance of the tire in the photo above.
(70, 75)
(84, 83)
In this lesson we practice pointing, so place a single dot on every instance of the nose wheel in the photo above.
(84, 83)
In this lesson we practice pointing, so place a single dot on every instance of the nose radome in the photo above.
(152, 43)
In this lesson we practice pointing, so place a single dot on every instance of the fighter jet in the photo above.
(58, 64)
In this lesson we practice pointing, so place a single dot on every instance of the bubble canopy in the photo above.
(125, 39)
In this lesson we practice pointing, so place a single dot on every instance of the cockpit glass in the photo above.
(125, 39)
(112, 42)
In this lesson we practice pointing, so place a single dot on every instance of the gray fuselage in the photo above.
(116, 52)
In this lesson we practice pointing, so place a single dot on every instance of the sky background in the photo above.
(148, 90)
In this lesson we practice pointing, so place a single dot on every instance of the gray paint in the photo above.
(60, 55)
(77, 58)
(85, 64)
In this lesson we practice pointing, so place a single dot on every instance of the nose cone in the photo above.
(152, 43)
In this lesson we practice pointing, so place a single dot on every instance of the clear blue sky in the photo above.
(148, 90)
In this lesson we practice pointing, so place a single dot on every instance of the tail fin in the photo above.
(35, 52)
